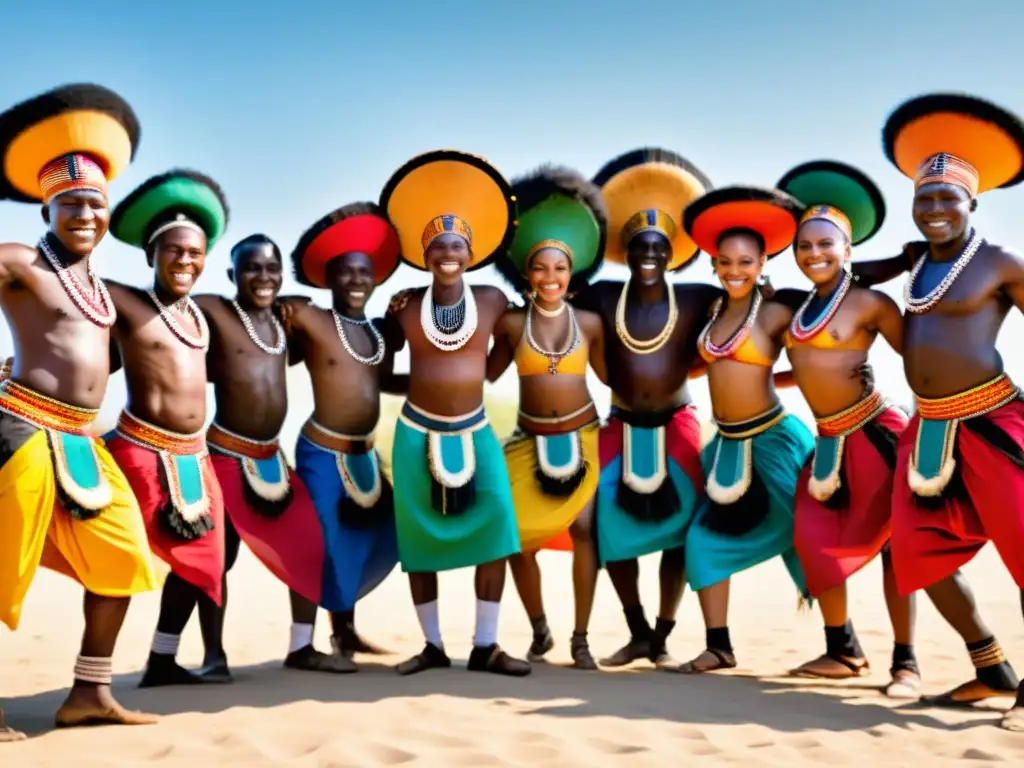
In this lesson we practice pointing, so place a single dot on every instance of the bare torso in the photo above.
(166, 379)
(57, 351)
(448, 383)
(249, 385)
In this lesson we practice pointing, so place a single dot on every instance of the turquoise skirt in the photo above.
(453, 501)
(770, 462)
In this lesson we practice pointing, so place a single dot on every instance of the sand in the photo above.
(556, 717)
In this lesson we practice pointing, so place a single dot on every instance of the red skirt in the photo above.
(928, 545)
(200, 562)
(290, 546)
(833, 544)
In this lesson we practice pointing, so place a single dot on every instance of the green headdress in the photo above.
(556, 208)
(176, 198)
(837, 193)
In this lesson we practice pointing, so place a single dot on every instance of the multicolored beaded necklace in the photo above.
(96, 305)
(738, 336)
(921, 305)
(802, 332)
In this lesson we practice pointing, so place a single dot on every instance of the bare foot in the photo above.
(827, 668)
(9, 734)
(627, 654)
(95, 705)
(965, 695)
(710, 660)
(310, 659)
(905, 684)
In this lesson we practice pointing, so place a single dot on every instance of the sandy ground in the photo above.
(556, 717)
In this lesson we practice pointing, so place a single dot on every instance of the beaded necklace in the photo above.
(738, 336)
(802, 332)
(648, 346)
(445, 339)
(378, 340)
(96, 305)
(921, 305)
(282, 341)
(201, 343)
(554, 358)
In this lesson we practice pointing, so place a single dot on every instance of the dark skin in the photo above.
(448, 383)
(60, 353)
(553, 396)
(830, 381)
(951, 348)
(313, 338)
(250, 389)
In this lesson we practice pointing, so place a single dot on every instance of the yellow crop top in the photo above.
(530, 362)
(746, 353)
(860, 340)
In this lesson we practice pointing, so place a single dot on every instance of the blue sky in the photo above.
(297, 108)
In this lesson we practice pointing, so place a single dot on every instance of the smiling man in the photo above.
(453, 503)
(266, 505)
(64, 504)
(349, 252)
(960, 465)
(161, 342)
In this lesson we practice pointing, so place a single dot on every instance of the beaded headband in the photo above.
(447, 224)
(558, 245)
(830, 214)
(944, 168)
(649, 220)
(180, 220)
(71, 172)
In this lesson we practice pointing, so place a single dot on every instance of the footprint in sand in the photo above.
(615, 748)
(977, 754)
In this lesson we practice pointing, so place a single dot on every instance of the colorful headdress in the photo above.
(556, 208)
(771, 213)
(178, 198)
(73, 137)
(646, 190)
(956, 139)
(357, 227)
(449, 192)
(837, 193)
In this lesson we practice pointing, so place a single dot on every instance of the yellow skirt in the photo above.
(108, 555)
(542, 517)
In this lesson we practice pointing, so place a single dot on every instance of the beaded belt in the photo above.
(44, 411)
(225, 441)
(336, 441)
(848, 421)
(741, 430)
(146, 435)
(976, 401)
(558, 425)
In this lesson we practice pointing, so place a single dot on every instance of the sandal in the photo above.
(309, 659)
(627, 654)
(827, 667)
(490, 658)
(722, 660)
(966, 695)
(580, 650)
(431, 657)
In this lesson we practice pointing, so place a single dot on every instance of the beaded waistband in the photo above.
(135, 430)
(424, 421)
(741, 430)
(558, 425)
(44, 411)
(232, 443)
(336, 441)
(848, 421)
(976, 401)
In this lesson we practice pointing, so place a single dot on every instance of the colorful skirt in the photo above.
(553, 475)
(453, 502)
(355, 505)
(651, 482)
(179, 496)
(752, 471)
(269, 508)
(844, 498)
(64, 504)
(959, 484)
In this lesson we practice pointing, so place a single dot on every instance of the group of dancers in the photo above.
(165, 485)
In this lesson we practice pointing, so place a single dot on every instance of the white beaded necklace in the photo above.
(921, 305)
(279, 334)
(448, 342)
(101, 312)
(373, 359)
(554, 358)
(201, 343)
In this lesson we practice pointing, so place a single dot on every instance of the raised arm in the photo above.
(878, 271)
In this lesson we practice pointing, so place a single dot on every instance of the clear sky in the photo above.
(297, 108)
